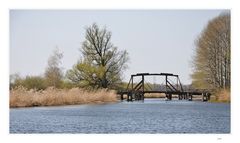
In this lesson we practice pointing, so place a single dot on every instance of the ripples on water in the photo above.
(152, 116)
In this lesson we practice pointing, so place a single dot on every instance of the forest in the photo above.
(212, 59)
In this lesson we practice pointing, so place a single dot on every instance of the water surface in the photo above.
(152, 116)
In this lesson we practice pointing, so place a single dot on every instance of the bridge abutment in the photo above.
(190, 96)
(205, 97)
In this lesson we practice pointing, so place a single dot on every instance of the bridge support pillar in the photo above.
(190, 97)
(204, 97)
(208, 96)
(129, 96)
(180, 96)
(169, 96)
(121, 97)
(142, 96)
(139, 96)
(135, 95)
(184, 96)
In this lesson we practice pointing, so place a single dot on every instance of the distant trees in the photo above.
(102, 63)
(29, 82)
(53, 73)
(212, 61)
(13, 78)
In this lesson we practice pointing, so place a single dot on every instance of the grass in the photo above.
(221, 96)
(21, 97)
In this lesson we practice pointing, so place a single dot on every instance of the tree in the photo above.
(102, 63)
(53, 73)
(212, 59)
(14, 78)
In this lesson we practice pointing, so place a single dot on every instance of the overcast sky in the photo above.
(156, 40)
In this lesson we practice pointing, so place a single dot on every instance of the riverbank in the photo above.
(21, 97)
(222, 96)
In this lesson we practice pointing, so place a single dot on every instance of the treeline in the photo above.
(53, 76)
(101, 66)
(212, 60)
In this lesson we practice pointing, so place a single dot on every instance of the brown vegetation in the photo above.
(154, 95)
(212, 59)
(221, 96)
(21, 97)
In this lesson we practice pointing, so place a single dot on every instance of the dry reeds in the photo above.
(223, 96)
(21, 97)
(154, 95)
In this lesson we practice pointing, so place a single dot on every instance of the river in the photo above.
(150, 116)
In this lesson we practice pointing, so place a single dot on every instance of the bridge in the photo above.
(171, 86)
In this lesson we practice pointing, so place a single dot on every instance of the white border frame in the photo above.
(117, 4)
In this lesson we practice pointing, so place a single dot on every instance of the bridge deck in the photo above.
(139, 95)
(167, 92)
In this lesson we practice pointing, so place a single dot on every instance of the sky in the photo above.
(158, 41)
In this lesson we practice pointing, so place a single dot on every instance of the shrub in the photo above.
(30, 82)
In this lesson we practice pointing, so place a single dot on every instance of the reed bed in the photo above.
(21, 97)
(223, 96)
(157, 95)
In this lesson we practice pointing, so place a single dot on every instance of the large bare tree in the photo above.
(102, 63)
(212, 59)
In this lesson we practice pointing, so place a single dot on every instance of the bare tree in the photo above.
(53, 73)
(212, 60)
(102, 64)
